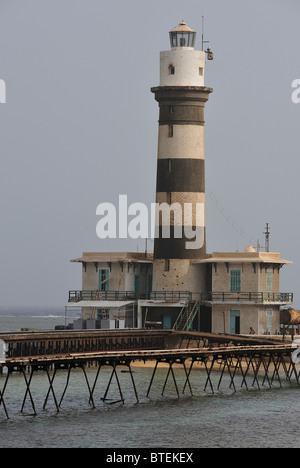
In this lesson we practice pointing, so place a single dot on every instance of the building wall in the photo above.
(252, 280)
(275, 272)
(182, 276)
(189, 67)
(254, 316)
(120, 278)
(221, 277)
(262, 319)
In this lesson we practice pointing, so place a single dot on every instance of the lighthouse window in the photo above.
(171, 131)
(169, 164)
(171, 69)
(167, 265)
(171, 108)
(200, 71)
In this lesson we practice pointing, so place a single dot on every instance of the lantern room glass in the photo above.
(182, 39)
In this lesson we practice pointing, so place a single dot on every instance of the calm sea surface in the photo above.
(257, 418)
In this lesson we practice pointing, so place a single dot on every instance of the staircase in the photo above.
(186, 316)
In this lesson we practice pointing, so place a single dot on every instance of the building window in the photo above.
(269, 317)
(171, 109)
(137, 285)
(269, 280)
(167, 265)
(169, 198)
(235, 281)
(170, 161)
(171, 69)
(171, 131)
(200, 71)
(149, 283)
(103, 279)
(102, 314)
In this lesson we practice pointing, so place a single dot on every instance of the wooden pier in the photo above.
(249, 362)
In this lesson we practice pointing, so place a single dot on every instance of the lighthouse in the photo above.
(181, 286)
(180, 183)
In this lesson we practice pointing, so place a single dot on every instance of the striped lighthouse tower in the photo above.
(180, 185)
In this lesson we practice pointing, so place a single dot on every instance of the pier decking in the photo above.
(248, 361)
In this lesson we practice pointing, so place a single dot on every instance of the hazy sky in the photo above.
(80, 127)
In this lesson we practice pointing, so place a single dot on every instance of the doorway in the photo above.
(166, 322)
(235, 322)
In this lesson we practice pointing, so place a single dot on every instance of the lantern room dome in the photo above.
(182, 36)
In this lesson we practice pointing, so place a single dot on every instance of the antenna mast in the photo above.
(203, 41)
(267, 238)
(210, 55)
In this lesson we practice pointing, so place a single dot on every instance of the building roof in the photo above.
(126, 257)
(249, 255)
(99, 304)
(182, 27)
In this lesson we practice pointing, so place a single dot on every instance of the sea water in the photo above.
(254, 418)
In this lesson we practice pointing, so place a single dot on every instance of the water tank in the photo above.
(290, 317)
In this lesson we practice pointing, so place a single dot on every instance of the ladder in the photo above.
(184, 321)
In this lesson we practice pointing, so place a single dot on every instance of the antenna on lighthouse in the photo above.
(203, 41)
(210, 55)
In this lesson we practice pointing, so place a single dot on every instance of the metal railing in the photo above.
(180, 296)
(165, 296)
(169, 296)
(259, 297)
(77, 295)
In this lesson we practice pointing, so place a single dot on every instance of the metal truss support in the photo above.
(114, 372)
(28, 392)
(2, 402)
(51, 380)
(170, 370)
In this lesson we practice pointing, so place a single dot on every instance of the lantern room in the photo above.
(182, 36)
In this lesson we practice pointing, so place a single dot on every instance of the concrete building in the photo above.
(112, 283)
(182, 286)
(245, 291)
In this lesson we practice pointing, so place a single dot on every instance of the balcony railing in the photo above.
(169, 296)
(165, 296)
(181, 296)
(259, 297)
(77, 295)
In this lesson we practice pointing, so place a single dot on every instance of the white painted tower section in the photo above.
(182, 66)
